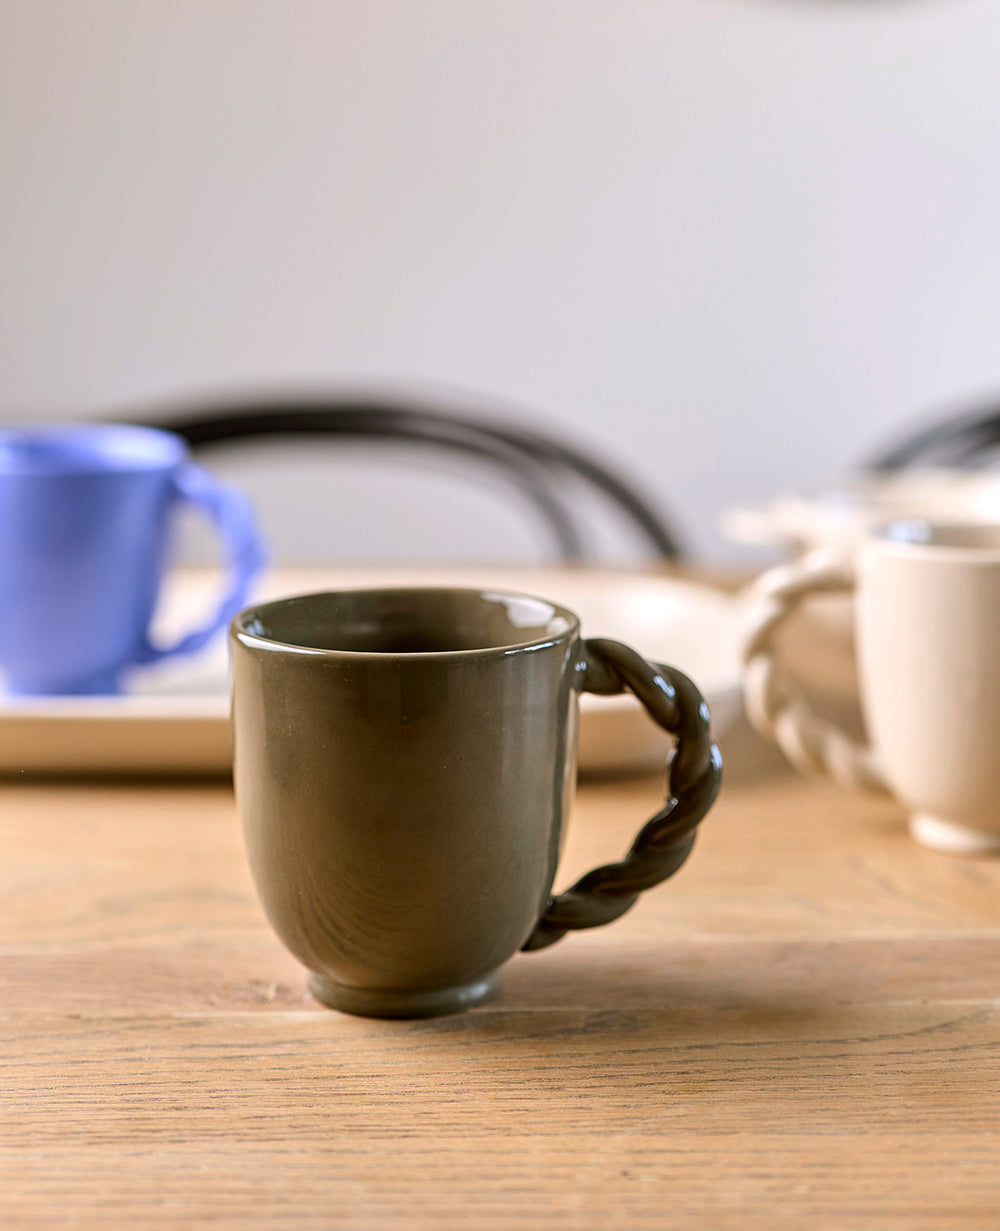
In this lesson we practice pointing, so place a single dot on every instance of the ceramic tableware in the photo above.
(839, 518)
(927, 615)
(175, 717)
(85, 518)
(404, 762)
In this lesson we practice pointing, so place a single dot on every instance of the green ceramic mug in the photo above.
(404, 765)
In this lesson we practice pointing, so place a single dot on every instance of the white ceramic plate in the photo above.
(839, 516)
(175, 718)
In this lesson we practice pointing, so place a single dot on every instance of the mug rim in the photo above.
(258, 641)
(938, 538)
(101, 448)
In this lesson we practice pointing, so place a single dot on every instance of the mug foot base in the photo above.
(399, 1003)
(952, 838)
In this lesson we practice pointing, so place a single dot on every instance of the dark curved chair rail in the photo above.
(531, 459)
(962, 441)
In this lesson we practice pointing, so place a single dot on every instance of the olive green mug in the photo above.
(404, 764)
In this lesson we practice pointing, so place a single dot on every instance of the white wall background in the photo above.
(733, 244)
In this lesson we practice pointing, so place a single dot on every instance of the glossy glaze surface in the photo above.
(403, 811)
(928, 626)
(85, 534)
(404, 764)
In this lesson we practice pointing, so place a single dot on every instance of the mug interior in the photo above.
(916, 532)
(407, 621)
(87, 448)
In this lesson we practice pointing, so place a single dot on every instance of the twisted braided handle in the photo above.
(775, 704)
(694, 773)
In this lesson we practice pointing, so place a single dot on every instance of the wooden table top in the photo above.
(802, 1027)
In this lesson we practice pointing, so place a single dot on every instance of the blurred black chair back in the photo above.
(962, 441)
(540, 466)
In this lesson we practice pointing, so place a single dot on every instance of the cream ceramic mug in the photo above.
(927, 627)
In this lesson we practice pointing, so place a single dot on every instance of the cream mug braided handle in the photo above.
(775, 704)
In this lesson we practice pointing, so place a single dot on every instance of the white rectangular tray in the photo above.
(175, 719)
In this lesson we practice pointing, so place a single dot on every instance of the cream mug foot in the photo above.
(953, 838)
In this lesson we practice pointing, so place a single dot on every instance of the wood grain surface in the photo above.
(802, 1029)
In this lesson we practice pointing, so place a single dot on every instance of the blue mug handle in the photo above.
(234, 517)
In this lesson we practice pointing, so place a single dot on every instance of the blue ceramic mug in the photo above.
(85, 519)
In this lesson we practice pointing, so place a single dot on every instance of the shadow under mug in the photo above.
(927, 632)
(85, 513)
(404, 765)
